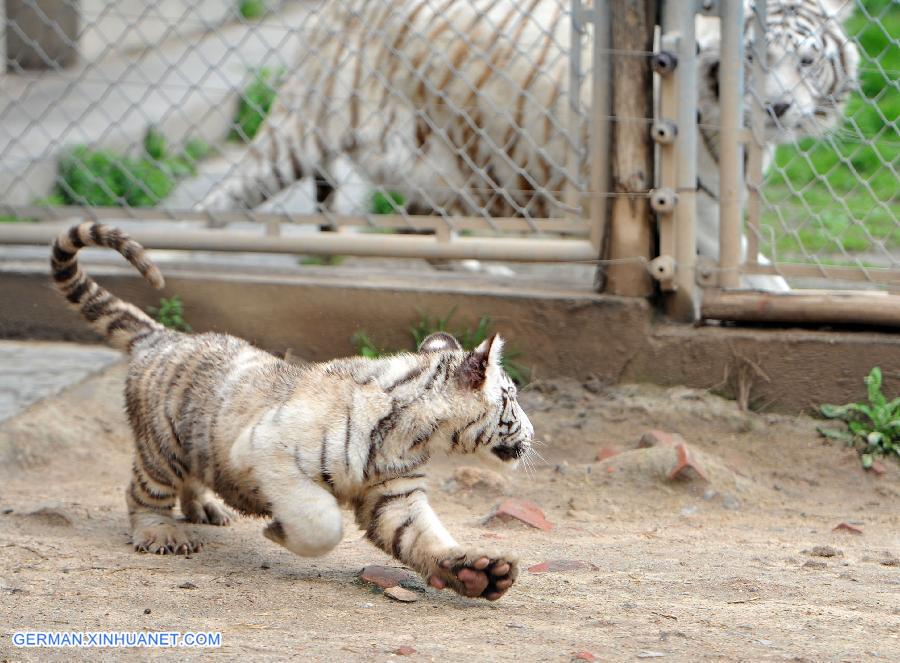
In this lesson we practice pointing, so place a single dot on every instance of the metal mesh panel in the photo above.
(828, 202)
(155, 109)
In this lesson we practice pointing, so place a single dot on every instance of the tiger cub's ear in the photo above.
(477, 365)
(439, 342)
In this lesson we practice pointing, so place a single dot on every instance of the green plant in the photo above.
(873, 426)
(252, 9)
(389, 202)
(325, 261)
(171, 313)
(469, 338)
(255, 103)
(103, 178)
(366, 347)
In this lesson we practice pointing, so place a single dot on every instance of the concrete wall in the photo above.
(561, 333)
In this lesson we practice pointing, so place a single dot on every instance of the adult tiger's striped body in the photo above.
(456, 103)
(210, 413)
(812, 67)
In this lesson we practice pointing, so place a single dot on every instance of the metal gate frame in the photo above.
(713, 291)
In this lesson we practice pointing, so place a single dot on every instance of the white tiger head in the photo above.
(496, 425)
(811, 68)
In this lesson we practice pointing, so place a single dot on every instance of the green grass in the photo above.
(469, 338)
(839, 193)
(390, 202)
(255, 103)
(324, 261)
(103, 178)
(252, 9)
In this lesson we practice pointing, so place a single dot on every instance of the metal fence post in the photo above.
(678, 161)
(756, 145)
(599, 144)
(731, 150)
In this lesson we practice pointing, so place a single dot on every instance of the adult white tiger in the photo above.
(812, 67)
(457, 104)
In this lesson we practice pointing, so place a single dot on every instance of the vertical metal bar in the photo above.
(571, 194)
(678, 30)
(757, 126)
(600, 111)
(731, 150)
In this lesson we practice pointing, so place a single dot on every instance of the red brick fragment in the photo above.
(523, 510)
(607, 452)
(584, 656)
(685, 465)
(657, 437)
(556, 565)
(847, 527)
(404, 651)
(878, 468)
(385, 576)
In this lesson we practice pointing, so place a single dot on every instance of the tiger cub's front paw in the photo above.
(476, 574)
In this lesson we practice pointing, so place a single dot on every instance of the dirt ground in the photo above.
(682, 571)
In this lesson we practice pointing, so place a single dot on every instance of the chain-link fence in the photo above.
(827, 205)
(473, 120)
(472, 112)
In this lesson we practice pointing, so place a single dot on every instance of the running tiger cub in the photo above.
(212, 414)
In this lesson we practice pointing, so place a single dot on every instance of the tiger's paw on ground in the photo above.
(476, 575)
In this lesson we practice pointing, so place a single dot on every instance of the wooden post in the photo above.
(630, 233)
(45, 35)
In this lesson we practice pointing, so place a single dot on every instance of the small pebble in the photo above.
(404, 651)
(825, 551)
(815, 564)
(400, 594)
(146, 611)
(187, 585)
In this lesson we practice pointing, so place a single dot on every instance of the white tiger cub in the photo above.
(211, 413)
(456, 103)
(812, 67)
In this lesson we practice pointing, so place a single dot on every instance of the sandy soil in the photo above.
(683, 571)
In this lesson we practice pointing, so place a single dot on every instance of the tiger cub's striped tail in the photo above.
(120, 322)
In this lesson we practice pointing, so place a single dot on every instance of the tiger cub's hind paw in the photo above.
(164, 540)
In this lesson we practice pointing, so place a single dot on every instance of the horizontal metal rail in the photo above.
(555, 226)
(359, 244)
(880, 275)
(851, 308)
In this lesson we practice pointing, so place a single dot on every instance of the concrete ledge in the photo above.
(560, 332)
